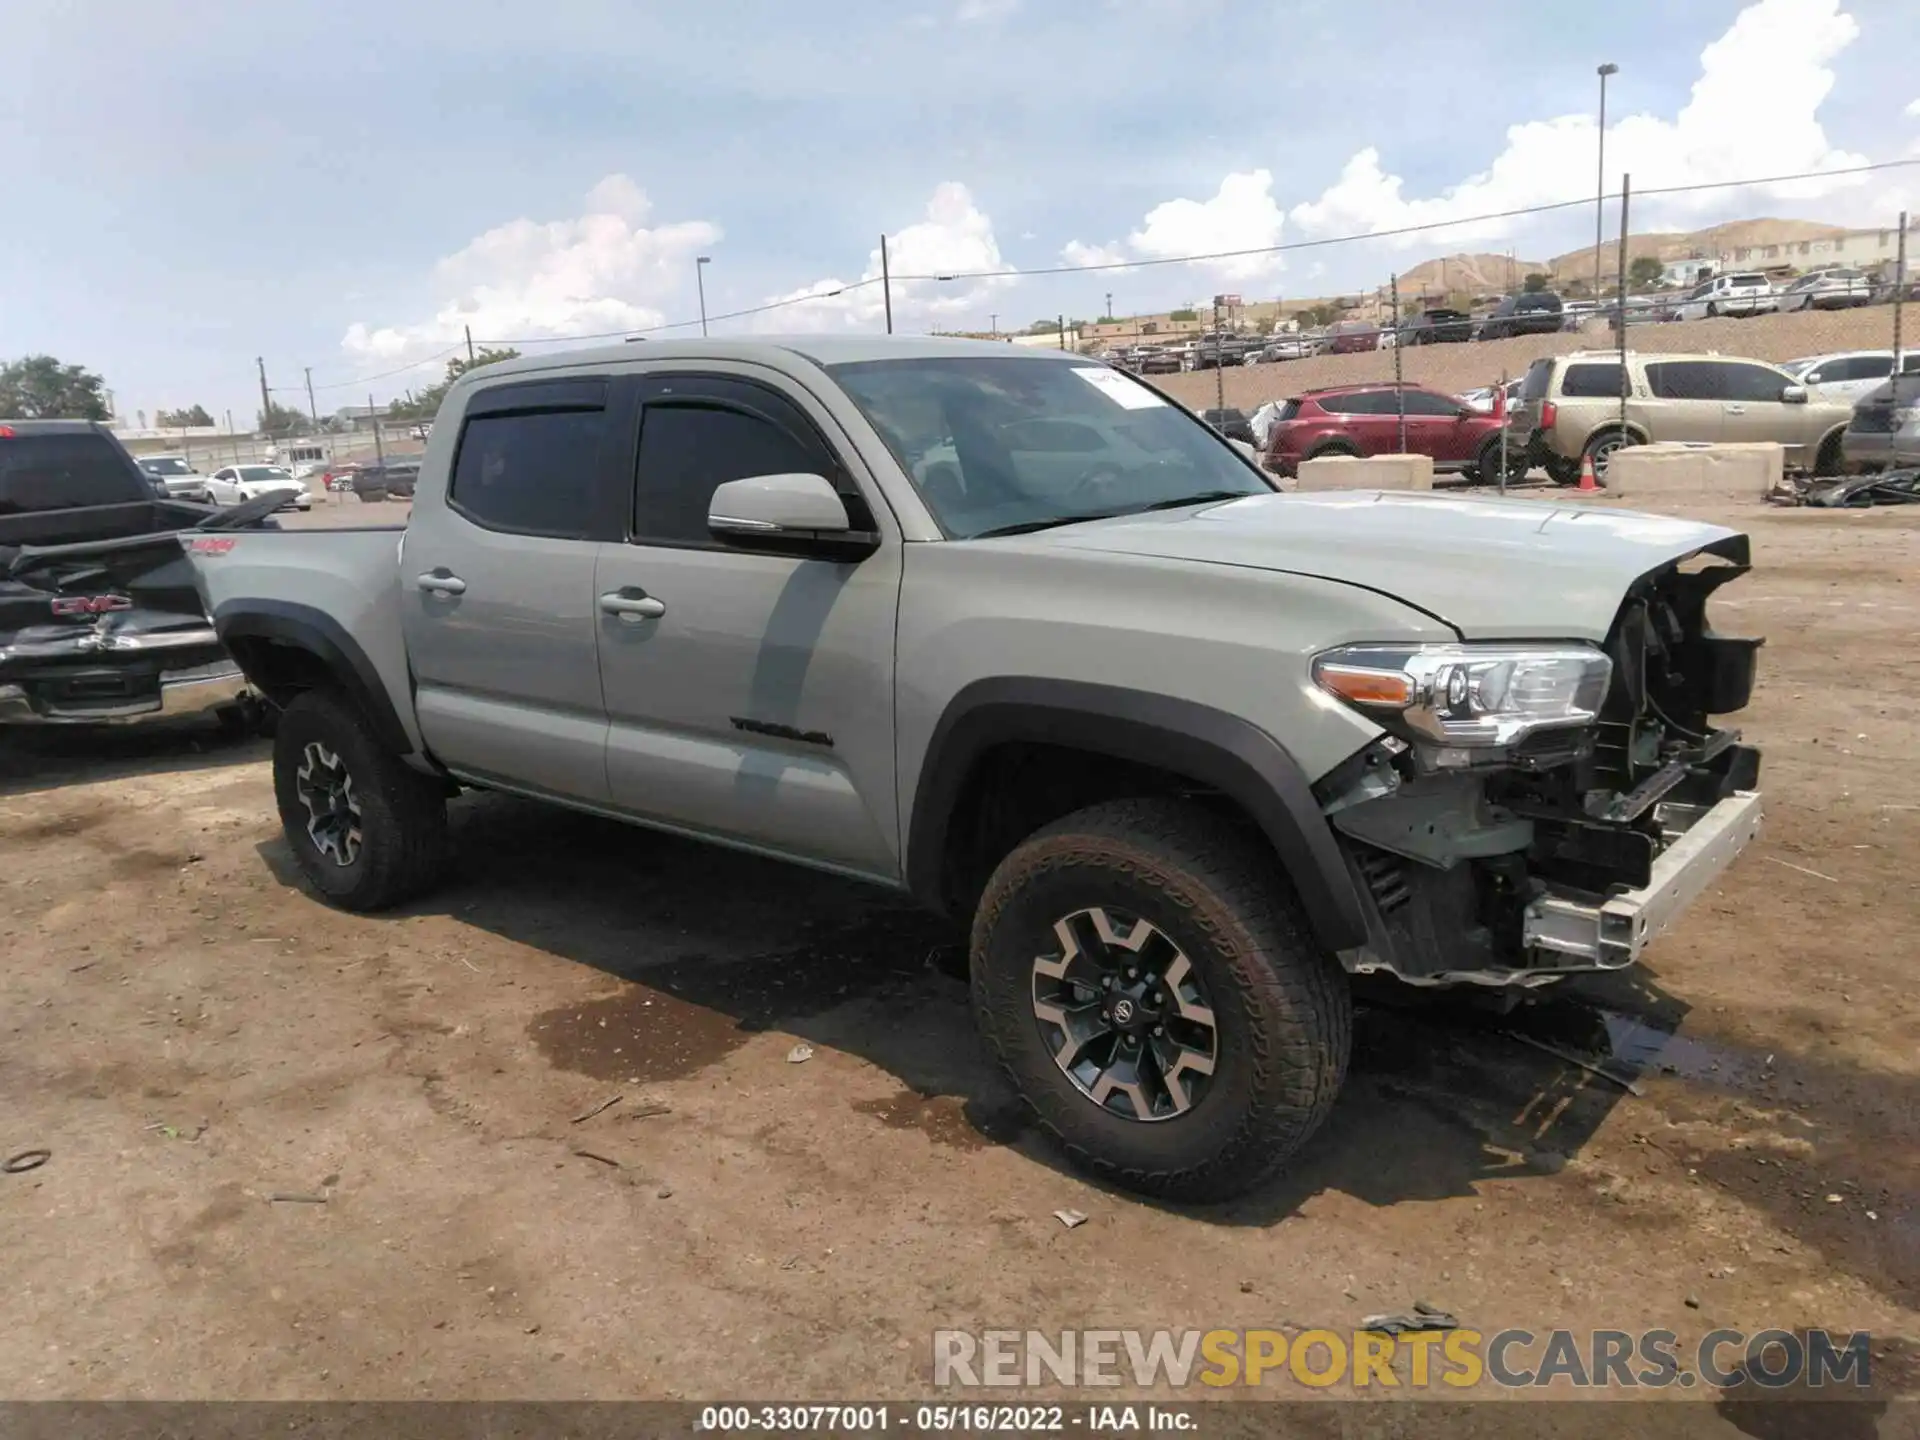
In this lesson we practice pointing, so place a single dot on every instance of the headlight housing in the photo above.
(1476, 696)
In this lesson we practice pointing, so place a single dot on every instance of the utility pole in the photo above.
(1109, 307)
(1600, 191)
(993, 321)
(1626, 188)
(379, 454)
(1399, 391)
(700, 263)
(233, 438)
(1219, 361)
(1899, 300)
(1060, 331)
(314, 411)
(469, 330)
(886, 283)
(266, 404)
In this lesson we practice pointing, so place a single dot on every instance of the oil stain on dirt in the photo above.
(948, 1120)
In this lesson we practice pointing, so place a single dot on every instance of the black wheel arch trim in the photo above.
(302, 627)
(1212, 747)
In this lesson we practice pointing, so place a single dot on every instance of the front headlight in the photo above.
(1468, 695)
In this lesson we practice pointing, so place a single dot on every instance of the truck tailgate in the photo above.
(340, 585)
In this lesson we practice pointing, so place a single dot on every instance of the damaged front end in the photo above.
(1540, 810)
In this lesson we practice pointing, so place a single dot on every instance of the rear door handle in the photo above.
(439, 582)
(1736, 409)
(632, 608)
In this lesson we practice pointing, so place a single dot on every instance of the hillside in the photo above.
(1474, 274)
(1677, 245)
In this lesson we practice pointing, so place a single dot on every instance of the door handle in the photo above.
(437, 582)
(632, 608)
(1736, 409)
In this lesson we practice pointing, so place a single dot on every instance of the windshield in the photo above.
(263, 474)
(1797, 368)
(996, 443)
(167, 465)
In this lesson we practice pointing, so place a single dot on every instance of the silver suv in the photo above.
(1570, 406)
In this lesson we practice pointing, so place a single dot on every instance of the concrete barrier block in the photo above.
(1377, 472)
(1695, 472)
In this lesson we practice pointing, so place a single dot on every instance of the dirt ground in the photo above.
(191, 1034)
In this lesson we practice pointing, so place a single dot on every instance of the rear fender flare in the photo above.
(1217, 750)
(302, 627)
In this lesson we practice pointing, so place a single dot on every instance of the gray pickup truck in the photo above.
(1010, 631)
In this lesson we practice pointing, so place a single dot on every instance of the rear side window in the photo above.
(1290, 409)
(694, 441)
(1365, 402)
(1746, 280)
(1858, 367)
(1591, 382)
(64, 472)
(529, 471)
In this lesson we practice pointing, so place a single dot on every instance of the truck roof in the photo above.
(821, 349)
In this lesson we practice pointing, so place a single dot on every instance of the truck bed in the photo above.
(345, 582)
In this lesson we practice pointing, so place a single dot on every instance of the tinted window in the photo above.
(1858, 367)
(1419, 402)
(1752, 382)
(263, 473)
(1539, 301)
(166, 465)
(1539, 375)
(1591, 382)
(63, 472)
(1746, 280)
(530, 472)
(688, 448)
(1363, 402)
(1687, 380)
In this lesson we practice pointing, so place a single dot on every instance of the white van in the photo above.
(1743, 293)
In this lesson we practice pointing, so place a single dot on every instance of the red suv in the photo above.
(1365, 420)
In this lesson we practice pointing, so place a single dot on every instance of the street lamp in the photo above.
(699, 279)
(1600, 193)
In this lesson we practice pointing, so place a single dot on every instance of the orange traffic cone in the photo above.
(1588, 480)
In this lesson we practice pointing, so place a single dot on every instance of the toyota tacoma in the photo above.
(1014, 633)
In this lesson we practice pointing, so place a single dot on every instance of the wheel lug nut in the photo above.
(1159, 1029)
(1106, 982)
(1132, 973)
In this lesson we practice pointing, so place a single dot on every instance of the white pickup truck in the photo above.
(1009, 630)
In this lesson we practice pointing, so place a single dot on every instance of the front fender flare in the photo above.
(1215, 749)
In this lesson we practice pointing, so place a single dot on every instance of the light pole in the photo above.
(700, 279)
(1600, 190)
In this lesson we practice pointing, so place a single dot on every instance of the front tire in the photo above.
(1153, 992)
(366, 830)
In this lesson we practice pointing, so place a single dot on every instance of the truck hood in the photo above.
(1492, 569)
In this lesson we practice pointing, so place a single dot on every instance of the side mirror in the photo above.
(795, 512)
(1793, 395)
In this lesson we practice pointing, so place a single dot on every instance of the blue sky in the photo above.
(344, 185)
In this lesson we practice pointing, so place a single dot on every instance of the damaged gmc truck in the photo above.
(1013, 633)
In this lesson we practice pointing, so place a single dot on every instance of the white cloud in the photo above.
(977, 11)
(1913, 108)
(605, 269)
(1754, 110)
(1076, 253)
(955, 237)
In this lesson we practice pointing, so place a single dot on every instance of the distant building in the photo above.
(1862, 249)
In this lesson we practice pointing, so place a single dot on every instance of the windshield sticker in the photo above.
(1127, 394)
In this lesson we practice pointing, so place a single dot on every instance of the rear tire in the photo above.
(366, 829)
(1600, 449)
(1486, 464)
(1165, 889)
(1828, 461)
(1332, 449)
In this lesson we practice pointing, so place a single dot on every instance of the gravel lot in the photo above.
(191, 1033)
(1457, 368)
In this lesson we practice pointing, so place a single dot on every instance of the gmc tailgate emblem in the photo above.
(90, 604)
